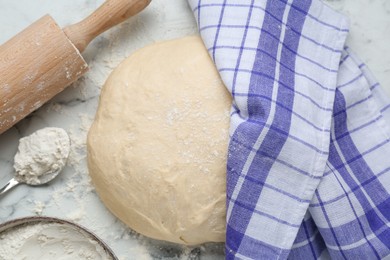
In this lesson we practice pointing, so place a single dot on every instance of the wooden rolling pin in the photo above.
(43, 60)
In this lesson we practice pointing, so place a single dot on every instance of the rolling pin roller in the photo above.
(43, 60)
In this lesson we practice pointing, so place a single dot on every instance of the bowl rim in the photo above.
(43, 219)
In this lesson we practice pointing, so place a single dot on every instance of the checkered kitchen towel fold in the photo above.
(308, 173)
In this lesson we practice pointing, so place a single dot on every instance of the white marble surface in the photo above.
(71, 196)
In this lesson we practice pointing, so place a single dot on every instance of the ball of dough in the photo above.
(157, 148)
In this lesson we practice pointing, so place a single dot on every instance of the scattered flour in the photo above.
(47, 241)
(41, 153)
(39, 207)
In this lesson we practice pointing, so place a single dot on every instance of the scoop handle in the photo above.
(12, 183)
(109, 14)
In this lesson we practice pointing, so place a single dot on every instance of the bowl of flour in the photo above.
(47, 238)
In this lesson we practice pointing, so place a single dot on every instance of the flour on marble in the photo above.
(47, 241)
(43, 152)
(39, 207)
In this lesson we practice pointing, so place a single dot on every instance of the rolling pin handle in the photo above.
(109, 14)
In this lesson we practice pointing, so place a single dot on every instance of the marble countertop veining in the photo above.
(72, 196)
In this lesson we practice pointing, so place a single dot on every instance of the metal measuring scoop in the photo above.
(42, 178)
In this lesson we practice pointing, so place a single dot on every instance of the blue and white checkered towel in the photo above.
(308, 173)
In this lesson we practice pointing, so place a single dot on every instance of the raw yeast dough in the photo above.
(157, 148)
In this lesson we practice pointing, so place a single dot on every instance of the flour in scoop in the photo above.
(41, 153)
